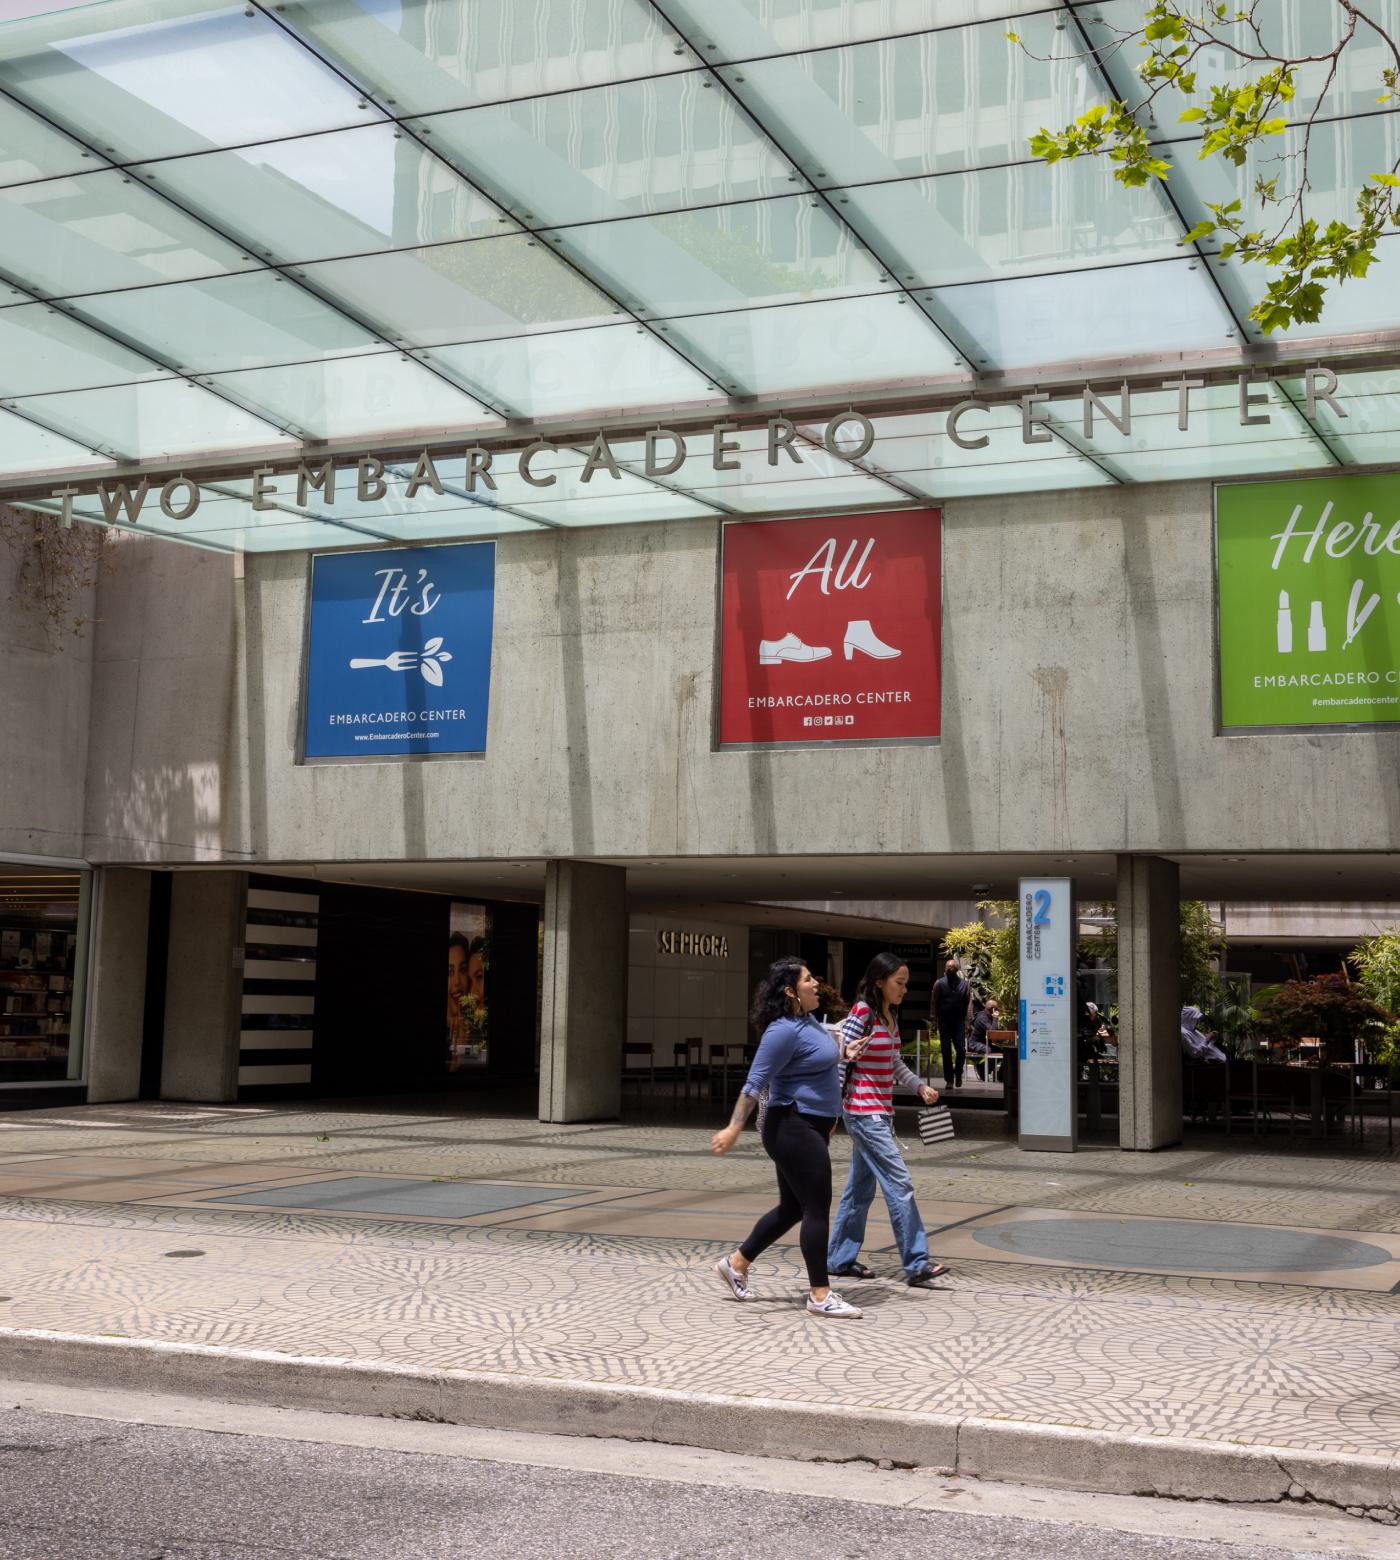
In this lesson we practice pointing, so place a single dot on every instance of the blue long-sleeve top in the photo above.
(797, 1060)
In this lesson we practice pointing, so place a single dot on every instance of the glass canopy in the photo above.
(234, 232)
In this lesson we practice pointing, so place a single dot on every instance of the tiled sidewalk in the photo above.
(583, 1253)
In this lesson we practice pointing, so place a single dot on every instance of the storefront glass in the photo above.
(43, 952)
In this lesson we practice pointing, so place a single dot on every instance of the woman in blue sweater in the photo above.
(797, 1063)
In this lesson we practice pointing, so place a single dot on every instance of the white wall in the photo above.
(671, 996)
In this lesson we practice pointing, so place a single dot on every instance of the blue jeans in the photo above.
(875, 1157)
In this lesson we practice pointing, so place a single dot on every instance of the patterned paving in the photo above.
(603, 1274)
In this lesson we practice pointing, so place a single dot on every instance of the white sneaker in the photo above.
(860, 636)
(790, 648)
(733, 1280)
(833, 1305)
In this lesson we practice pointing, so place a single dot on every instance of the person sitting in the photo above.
(979, 1048)
(1196, 1044)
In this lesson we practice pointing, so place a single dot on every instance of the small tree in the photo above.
(1328, 1007)
(1377, 960)
(1233, 1018)
(990, 954)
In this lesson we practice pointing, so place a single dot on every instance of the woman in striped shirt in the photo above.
(868, 1111)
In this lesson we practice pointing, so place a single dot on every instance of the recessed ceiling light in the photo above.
(1234, 858)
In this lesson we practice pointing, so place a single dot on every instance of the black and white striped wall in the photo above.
(279, 987)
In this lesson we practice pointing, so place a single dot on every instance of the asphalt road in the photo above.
(78, 1488)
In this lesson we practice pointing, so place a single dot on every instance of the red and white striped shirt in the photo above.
(878, 1068)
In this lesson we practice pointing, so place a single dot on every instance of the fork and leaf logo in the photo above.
(429, 661)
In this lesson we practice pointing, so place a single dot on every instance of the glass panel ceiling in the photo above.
(362, 219)
(744, 29)
(348, 193)
(157, 78)
(427, 56)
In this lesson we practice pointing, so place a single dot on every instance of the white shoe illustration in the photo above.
(790, 648)
(860, 636)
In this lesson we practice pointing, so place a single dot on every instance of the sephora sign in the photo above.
(830, 630)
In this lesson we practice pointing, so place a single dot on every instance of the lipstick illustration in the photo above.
(1285, 624)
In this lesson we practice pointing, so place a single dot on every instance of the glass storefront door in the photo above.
(43, 957)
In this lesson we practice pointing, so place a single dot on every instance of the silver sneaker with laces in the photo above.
(733, 1280)
(833, 1305)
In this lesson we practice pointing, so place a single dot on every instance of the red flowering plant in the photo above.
(1329, 1008)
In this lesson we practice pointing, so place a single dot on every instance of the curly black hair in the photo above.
(770, 997)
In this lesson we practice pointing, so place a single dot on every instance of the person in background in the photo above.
(952, 1000)
(1196, 1044)
(872, 1043)
(797, 1063)
(979, 1048)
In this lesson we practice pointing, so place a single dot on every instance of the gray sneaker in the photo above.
(733, 1279)
(833, 1305)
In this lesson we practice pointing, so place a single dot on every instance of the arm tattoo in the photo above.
(743, 1109)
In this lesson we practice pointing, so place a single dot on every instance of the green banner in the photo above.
(1309, 598)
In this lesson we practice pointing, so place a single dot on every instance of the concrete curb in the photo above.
(970, 1447)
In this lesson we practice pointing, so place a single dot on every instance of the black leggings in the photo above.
(797, 1145)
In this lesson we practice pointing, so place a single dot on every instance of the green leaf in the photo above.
(1200, 231)
(1387, 178)
(1192, 113)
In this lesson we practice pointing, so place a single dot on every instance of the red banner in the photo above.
(831, 629)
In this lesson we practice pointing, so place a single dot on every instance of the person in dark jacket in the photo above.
(952, 997)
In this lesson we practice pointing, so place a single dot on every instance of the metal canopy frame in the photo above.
(492, 420)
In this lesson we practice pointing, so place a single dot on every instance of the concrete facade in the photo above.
(117, 964)
(204, 987)
(583, 1017)
(45, 703)
(1078, 713)
(1078, 717)
(1149, 1003)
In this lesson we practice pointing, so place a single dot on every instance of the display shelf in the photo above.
(36, 998)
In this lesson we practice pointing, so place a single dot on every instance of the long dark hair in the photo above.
(881, 967)
(770, 996)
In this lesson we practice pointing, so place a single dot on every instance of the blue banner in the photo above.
(399, 660)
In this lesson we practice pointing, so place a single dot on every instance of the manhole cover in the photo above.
(1179, 1243)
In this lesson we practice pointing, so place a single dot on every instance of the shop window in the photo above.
(43, 924)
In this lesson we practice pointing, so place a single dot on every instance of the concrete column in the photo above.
(204, 987)
(1149, 1003)
(116, 991)
(584, 1014)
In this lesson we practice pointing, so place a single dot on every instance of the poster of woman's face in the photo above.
(467, 954)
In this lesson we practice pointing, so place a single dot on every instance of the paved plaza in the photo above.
(1227, 1290)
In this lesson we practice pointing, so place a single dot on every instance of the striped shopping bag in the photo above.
(935, 1124)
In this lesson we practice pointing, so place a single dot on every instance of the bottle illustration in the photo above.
(1285, 624)
(1317, 629)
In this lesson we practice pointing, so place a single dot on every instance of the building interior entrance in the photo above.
(343, 990)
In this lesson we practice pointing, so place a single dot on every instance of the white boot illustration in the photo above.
(789, 648)
(860, 636)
